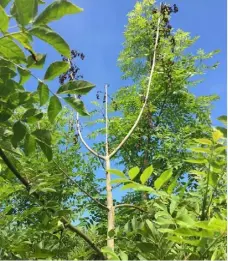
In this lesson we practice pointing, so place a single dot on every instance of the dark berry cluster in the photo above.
(166, 10)
(72, 73)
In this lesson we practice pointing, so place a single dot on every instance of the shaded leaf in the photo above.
(43, 93)
(54, 108)
(29, 144)
(11, 51)
(56, 69)
(24, 75)
(76, 87)
(77, 104)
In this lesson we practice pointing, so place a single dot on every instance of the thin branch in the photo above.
(147, 94)
(83, 141)
(130, 206)
(66, 223)
(106, 120)
(80, 188)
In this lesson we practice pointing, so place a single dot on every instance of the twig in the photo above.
(146, 98)
(83, 141)
(63, 219)
(130, 206)
(80, 188)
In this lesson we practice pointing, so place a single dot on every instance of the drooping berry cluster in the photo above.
(72, 73)
(166, 11)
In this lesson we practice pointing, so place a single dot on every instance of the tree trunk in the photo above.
(111, 213)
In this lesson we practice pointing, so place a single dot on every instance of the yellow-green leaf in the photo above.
(4, 20)
(165, 176)
(146, 174)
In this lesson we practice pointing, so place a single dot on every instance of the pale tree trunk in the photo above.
(111, 213)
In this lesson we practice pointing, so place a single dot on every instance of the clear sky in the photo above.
(98, 33)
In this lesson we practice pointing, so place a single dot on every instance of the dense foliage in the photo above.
(52, 205)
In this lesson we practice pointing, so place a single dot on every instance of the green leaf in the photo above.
(43, 93)
(56, 69)
(182, 240)
(77, 104)
(52, 38)
(117, 172)
(203, 141)
(197, 172)
(24, 75)
(54, 108)
(165, 176)
(32, 115)
(43, 135)
(123, 255)
(196, 161)
(111, 254)
(4, 3)
(223, 119)
(213, 179)
(76, 87)
(25, 11)
(23, 38)
(29, 144)
(185, 220)
(6, 73)
(11, 51)
(19, 130)
(145, 247)
(47, 190)
(119, 181)
(146, 174)
(172, 186)
(216, 135)
(36, 61)
(43, 138)
(129, 186)
(223, 131)
(200, 150)
(5, 115)
(133, 172)
(4, 20)
(57, 10)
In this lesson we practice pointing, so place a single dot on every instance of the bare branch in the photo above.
(80, 188)
(66, 223)
(83, 141)
(130, 206)
(147, 94)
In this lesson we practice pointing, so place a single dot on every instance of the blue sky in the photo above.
(98, 33)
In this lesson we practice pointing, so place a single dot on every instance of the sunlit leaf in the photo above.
(146, 174)
(165, 176)
(56, 10)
